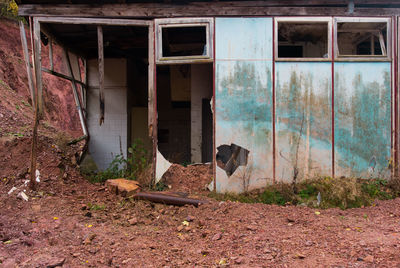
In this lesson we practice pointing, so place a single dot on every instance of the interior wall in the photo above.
(201, 88)
(173, 107)
(138, 105)
(110, 138)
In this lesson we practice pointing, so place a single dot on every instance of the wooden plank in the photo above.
(75, 92)
(38, 65)
(95, 21)
(101, 71)
(51, 54)
(27, 62)
(152, 121)
(63, 76)
(160, 10)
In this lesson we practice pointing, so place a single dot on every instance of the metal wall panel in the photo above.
(362, 119)
(303, 120)
(243, 98)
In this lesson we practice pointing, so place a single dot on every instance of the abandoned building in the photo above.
(266, 91)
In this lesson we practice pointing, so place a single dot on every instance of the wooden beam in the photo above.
(51, 53)
(151, 108)
(38, 65)
(101, 71)
(63, 76)
(75, 92)
(95, 21)
(27, 61)
(196, 9)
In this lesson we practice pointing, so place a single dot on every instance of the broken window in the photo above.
(184, 40)
(230, 157)
(303, 38)
(362, 38)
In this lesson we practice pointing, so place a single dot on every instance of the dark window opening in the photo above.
(184, 41)
(302, 39)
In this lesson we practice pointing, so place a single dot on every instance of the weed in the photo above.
(17, 106)
(16, 134)
(134, 167)
(96, 206)
(25, 103)
(339, 192)
(160, 186)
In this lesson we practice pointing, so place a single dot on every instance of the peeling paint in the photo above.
(303, 120)
(243, 99)
(362, 119)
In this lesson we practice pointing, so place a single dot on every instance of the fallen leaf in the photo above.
(55, 218)
(317, 213)
(185, 223)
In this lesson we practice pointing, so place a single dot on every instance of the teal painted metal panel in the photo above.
(243, 38)
(303, 120)
(243, 98)
(362, 119)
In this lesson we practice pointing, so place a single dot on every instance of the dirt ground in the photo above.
(72, 222)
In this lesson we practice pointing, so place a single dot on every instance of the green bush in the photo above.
(9, 10)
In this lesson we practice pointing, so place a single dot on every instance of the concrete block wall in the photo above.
(109, 139)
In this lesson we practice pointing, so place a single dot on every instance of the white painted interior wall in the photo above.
(109, 139)
(201, 87)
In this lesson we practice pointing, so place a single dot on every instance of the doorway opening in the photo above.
(185, 127)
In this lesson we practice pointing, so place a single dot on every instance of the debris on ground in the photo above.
(189, 179)
(123, 187)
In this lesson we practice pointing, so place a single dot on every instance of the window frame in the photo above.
(310, 20)
(387, 57)
(184, 22)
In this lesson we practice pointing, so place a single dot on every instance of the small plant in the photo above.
(96, 206)
(25, 103)
(131, 168)
(17, 106)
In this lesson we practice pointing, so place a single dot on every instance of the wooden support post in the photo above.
(75, 92)
(152, 122)
(101, 72)
(86, 81)
(38, 65)
(37, 69)
(51, 53)
(27, 61)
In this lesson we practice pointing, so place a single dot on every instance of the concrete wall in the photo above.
(201, 88)
(107, 140)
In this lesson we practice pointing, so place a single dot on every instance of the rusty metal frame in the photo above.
(310, 20)
(184, 22)
(387, 57)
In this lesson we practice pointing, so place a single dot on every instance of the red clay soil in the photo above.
(73, 222)
(70, 221)
(190, 179)
(14, 91)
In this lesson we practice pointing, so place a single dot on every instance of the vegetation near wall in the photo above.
(9, 9)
